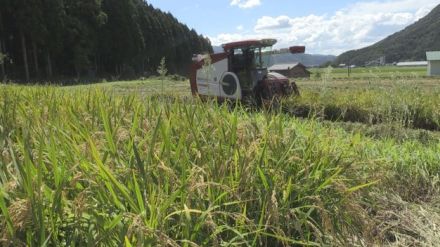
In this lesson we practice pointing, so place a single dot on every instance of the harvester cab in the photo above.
(241, 73)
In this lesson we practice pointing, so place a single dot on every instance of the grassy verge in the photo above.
(87, 166)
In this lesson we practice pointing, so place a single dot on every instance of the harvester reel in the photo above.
(269, 96)
(266, 96)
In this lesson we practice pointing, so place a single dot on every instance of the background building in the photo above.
(412, 64)
(433, 58)
(294, 70)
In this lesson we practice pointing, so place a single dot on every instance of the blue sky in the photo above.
(325, 27)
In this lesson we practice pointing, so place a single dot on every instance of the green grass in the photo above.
(109, 165)
(371, 72)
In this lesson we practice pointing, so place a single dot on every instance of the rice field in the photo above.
(407, 100)
(370, 72)
(124, 164)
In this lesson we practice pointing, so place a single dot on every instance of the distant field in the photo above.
(371, 72)
(330, 78)
(130, 164)
(146, 87)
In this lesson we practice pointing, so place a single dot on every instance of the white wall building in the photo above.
(412, 64)
(433, 58)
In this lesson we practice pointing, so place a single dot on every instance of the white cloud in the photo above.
(353, 27)
(267, 22)
(240, 28)
(245, 4)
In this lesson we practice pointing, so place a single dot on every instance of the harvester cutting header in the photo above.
(240, 73)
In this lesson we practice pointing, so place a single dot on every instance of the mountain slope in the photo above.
(409, 44)
(309, 60)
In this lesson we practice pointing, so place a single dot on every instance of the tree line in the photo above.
(64, 39)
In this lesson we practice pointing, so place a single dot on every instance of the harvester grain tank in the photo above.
(240, 73)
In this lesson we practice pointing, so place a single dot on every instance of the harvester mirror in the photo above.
(297, 49)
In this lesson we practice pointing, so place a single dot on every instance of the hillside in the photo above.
(309, 60)
(106, 38)
(409, 44)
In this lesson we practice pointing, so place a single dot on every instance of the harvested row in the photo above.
(411, 107)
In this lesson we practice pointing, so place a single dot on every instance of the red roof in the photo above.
(251, 42)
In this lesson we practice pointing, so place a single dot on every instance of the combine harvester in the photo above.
(240, 73)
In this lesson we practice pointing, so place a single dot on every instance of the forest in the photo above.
(73, 40)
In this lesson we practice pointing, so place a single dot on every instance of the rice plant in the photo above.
(88, 167)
